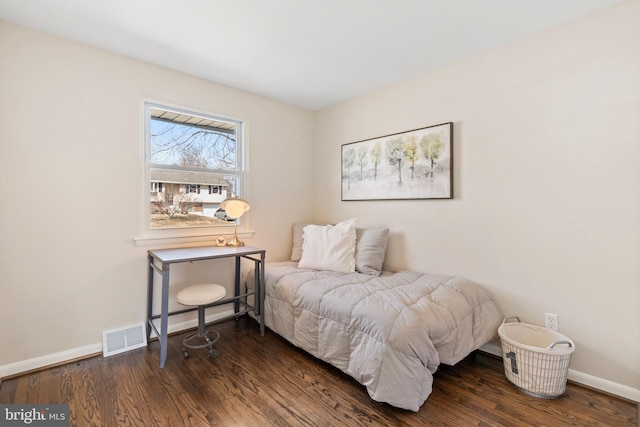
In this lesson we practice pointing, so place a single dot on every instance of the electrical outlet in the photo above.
(551, 321)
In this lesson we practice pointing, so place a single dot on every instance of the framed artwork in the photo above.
(416, 164)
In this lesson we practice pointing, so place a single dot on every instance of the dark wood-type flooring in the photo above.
(265, 381)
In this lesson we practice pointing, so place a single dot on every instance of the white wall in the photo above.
(70, 126)
(546, 214)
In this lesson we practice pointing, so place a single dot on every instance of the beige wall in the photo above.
(70, 186)
(546, 212)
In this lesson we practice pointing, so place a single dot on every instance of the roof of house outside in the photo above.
(193, 120)
(185, 177)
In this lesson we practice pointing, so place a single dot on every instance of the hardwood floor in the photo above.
(265, 381)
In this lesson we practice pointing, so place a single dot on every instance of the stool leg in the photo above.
(210, 337)
(201, 330)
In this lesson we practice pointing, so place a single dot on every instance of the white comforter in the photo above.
(390, 333)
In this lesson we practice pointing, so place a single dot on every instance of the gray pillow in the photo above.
(296, 250)
(371, 247)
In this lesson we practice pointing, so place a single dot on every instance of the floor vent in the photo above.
(124, 339)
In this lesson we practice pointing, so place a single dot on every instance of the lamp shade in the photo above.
(235, 207)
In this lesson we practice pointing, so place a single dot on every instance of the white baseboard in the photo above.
(493, 347)
(605, 385)
(49, 359)
(88, 350)
(192, 323)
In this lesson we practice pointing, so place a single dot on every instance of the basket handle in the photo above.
(553, 344)
(510, 317)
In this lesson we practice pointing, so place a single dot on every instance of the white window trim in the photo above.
(155, 237)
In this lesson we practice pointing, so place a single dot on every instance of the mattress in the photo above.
(389, 333)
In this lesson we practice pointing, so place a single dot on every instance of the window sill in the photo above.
(208, 238)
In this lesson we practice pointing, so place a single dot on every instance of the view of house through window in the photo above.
(194, 163)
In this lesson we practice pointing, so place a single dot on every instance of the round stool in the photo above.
(201, 295)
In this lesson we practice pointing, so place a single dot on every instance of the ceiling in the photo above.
(309, 53)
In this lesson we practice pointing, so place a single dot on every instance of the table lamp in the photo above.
(235, 207)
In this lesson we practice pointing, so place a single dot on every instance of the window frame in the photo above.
(193, 188)
(148, 235)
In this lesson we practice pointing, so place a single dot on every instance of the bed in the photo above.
(389, 330)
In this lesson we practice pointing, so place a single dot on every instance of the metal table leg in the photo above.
(236, 287)
(260, 289)
(164, 318)
(149, 297)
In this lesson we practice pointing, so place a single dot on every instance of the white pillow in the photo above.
(329, 247)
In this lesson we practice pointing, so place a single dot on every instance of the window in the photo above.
(193, 163)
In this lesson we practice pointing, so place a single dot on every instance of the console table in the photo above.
(160, 261)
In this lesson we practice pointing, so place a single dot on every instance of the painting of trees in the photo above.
(362, 158)
(425, 155)
(410, 151)
(376, 157)
(393, 151)
(348, 157)
(431, 146)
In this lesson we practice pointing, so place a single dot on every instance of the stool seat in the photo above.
(201, 294)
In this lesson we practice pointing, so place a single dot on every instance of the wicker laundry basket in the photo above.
(536, 359)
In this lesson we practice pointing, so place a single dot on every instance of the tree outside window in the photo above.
(194, 162)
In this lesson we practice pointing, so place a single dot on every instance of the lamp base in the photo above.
(235, 242)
